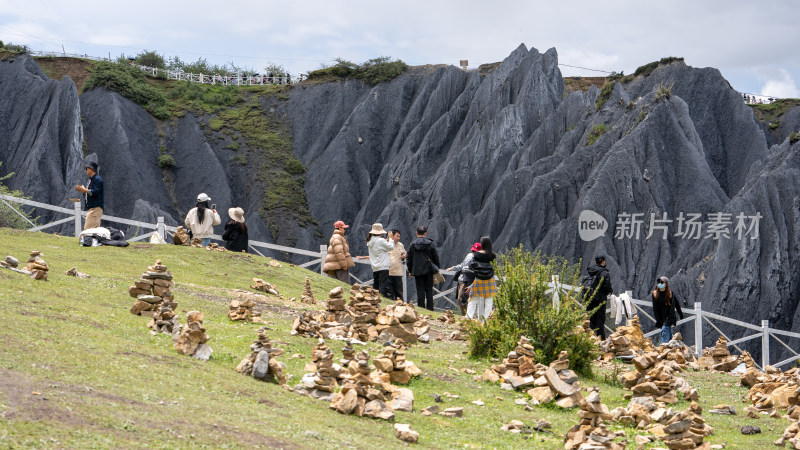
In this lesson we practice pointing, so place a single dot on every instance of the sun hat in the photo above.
(377, 229)
(476, 247)
(237, 214)
(203, 197)
(339, 224)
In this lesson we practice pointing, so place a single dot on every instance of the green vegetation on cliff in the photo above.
(373, 71)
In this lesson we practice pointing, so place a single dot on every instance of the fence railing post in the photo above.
(161, 229)
(323, 252)
(78, 226)
(698, 329)
(764, 344)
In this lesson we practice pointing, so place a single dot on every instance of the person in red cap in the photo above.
(338, 260)
(465, 277)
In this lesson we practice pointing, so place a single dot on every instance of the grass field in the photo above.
(77, 370)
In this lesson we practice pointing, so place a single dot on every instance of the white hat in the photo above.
(203, 197)
(237, 214)
(377, 229)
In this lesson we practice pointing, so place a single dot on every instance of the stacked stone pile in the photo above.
(462, 333)
(151, 289)
(687, 429)
(773, 389)
(399, 320)
(322, 382)
(359, 395)
(37, 266)
(336, 303)
(790, 435)
(447, 318)
(393, 366)
(718, 358)
(308, 295)
(591, 431)
(181, 237)
(626, 341)
(656, 377)
(164, 320)
(676, 350)
(262, 363)
(73, 272)
(263, 286)
(192, 338)
(242, 309)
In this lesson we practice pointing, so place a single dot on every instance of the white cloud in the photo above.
(782, 87)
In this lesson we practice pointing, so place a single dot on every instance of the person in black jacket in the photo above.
(235, 235)
(601, 278)
(421, 259)
(94, 196)
(665, 304)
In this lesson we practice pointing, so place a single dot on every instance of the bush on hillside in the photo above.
(131, 83)
(373, 71)
(166, 161)
(151, 59)
(647, 69)
(522, 308)
(10, 215)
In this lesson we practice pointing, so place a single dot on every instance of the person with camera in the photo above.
(202, 218)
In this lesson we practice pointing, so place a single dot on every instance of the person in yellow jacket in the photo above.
(338, 260)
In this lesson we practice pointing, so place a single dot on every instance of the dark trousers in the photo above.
(380, 281)
(343, 275)
(396, 282)
(424, 291)
(597, 321)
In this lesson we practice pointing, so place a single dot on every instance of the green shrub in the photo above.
(233, 146)
(166, 161)
(523, 308)
(774, 125)
(594, 135)
(605, 94)
(151, 59)
(373, 71)
(794, 137)
(10, 215)
(647, 69)
(216, 124)
(131, 83)
(663, 91)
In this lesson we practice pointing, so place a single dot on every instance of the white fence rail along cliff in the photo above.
(697, 315)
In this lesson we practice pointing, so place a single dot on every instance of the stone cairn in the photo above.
(164, 320)
(790, 435)
(308, 295)
(626, 341)
(37, 266)
(242, 309)
(152, 288)
(687, 429)
(656, 377)
(192, 338)
(262, 363)
(181, 237)
(364, 308)
(393, 366)
(462, 333)
(718, 358)
(399, 320)
(773, 390)
(327, 325)
(591, 431)
(322, 382)
(447, 318)
(359, 395)
(73, 272)
(676, 350)
(263, 286)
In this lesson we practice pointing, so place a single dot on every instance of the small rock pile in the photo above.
(790, 435)
(164, 320)
(322, 382)
(591, 431)
(718, 358)
(241, 309)
(773, 389)
(263, 286)
(10, 262)
(399, 320)
(335, 304)
(462, 333)
(687, 429)
(447, 318)
(192, 338)
(73, 272)
(626, 341)
(676, 350)
(359, 395)
(655, 377)
(262, 363)
(308, 295)
(364, 308)
(393, 366)
(181, 237)
(152, 288)
(37, 266)
(404, 432)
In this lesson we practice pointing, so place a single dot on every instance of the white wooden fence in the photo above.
(704, 318)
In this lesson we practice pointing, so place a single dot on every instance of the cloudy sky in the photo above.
(753, 44)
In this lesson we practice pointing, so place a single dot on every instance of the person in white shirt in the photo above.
(379, 248)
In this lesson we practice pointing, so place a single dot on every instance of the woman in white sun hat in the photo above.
(235, 235)
(379, 248)
(201, 219)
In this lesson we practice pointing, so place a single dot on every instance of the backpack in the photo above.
(588, 285)
(482, 270)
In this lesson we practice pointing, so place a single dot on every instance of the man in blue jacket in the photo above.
(94, 196)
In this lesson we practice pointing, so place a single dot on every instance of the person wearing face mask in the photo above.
(665, 304)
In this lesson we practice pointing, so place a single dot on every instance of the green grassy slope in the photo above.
(77, 370)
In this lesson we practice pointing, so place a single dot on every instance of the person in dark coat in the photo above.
(665, 304)
(421, 259)
(601, 278)
(235, 235)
